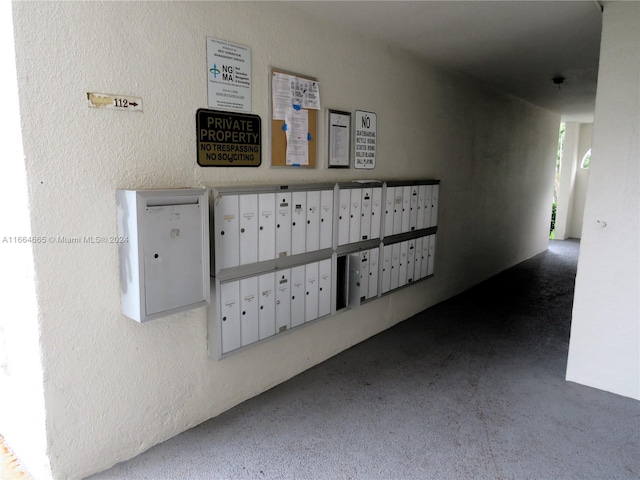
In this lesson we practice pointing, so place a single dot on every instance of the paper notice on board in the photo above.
(297, 122)
(281, 94)
(305, 93)
(312, 95)
(298, 90)
(288, 90)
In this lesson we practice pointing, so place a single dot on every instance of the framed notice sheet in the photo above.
(339, 134)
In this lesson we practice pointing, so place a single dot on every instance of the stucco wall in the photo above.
(582, 180)
(566, 190)
(573, 181)
(604, 351)
(21, 374)
(114, 388)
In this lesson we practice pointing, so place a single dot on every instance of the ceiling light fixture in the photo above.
(558, 81)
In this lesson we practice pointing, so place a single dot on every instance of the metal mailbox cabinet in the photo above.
(227, 227)
(424, 267)
(431, 259)
(355, 215)
(434, 205)
(299, 223)
(164, 268)
(326, 219)
(411, 260)
(397, 210)
(230, 315)
(313, 221)
(287, 255)
(413, 208)
(283, 225)
(325, 280)
(298, 283)
(344, 215)
(395, 266)
(406, 209)
(374, 255)
(404, 256)
(283, 300)
(386, 268)
(248, 229)
(249, 308)
(364, 275)
(389, 210)
(365, 213)
(311, 292)
(417, 261)
(267, 303)
(266, 226)
(376, 212)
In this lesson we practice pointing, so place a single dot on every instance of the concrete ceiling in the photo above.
(515, 46)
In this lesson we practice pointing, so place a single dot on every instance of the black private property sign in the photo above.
(227, 139)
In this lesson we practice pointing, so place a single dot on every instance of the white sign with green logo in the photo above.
(228, 75)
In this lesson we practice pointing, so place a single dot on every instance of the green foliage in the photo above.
(586, 160)
(563, 128)
(556, 186)
(552, 229)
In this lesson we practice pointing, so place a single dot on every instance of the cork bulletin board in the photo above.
(278, 128)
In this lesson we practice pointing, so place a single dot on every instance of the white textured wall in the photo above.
(114, 388)
(582, 180)
(573, 181)
(568, 168)
(20, 366)
(604, 351)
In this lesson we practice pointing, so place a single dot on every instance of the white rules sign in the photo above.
(365, 140)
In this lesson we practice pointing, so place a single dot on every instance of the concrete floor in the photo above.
(472, 388)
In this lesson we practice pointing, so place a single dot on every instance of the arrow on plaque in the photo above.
(133, 104)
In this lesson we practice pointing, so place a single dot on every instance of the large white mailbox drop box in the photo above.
(164, 267)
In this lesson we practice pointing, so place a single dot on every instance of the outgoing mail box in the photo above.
(164, 268)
